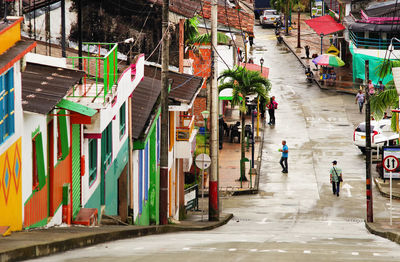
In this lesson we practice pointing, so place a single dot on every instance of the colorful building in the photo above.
(12, 51)
(49, 143)
(105, 144)
(145, 130)
(369, 32)
(182, 134)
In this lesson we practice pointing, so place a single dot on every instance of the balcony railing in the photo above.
(372, 43)
(98, 69)
(184, 131)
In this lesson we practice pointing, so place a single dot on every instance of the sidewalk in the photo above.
(384, 189)
(344, 78)
(43, 242)
(229, 160)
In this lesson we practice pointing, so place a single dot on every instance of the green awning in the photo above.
(75, 107)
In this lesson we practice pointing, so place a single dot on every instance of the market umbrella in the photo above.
(328, 60)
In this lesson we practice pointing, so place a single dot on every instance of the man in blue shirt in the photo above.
(284, 158)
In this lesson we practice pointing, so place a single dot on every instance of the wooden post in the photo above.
(164, 116)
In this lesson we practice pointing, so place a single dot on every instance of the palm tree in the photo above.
(385, 100)
(388, 98)
(243, 83)
(193, 37)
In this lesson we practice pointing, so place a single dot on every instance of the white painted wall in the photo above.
(55, 23)
(135, 182)
(32, 122)
(376, 52)
(126, 85)
(87, 191)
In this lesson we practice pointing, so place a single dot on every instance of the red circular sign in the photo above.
(390, 163)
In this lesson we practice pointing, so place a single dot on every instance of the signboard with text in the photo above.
(391, 156)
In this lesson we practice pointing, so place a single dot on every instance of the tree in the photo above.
(193, 37)
(243, 83)
(284, 6)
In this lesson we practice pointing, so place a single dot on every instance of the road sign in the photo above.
(391, 151)
(203, 161)
(390, 163)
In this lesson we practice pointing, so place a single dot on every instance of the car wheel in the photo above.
(362, 149)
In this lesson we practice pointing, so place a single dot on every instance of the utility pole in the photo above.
(298, 27)
(213, 205)
(80, 33)
(370, 216)
(63, 53)
(287, 18)
(164, 116)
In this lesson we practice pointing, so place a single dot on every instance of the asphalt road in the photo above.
(295, 217)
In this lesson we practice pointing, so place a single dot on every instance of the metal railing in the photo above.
(192, 198)
(373, 43)
(98, 68)
(184, 131)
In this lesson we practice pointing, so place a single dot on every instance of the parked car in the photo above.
(269, 17)
(380, 130)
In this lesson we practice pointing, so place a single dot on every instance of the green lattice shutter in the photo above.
(76, 169)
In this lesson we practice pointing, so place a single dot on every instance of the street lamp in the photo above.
(322, 36)
(258, 105)
(298, 28)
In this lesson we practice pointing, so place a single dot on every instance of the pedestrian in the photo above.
(385, 116)
(272, 105)
(251, 39)
(381, 86)
(371, 88)
(360, 99)
(313, 57)
(307, 48)
(284, 157)
(336, 178)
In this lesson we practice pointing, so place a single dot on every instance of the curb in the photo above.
(46, 249)
(395, 237)
(383, 193)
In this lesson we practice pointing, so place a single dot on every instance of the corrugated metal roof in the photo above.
(144, 98)
(184, 86)
(43, 87)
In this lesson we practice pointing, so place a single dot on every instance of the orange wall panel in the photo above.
(35, 208)
(62, 174)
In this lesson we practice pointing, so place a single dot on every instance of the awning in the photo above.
(324, 25)
(254, 67)
(78, 108)
(226, 94)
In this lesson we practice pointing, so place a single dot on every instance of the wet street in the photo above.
(295, 217)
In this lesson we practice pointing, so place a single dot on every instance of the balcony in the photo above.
(185, 138)
(184, 131)
(372, 43)
(101, 73)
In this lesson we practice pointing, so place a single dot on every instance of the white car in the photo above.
(380, 132)
(269, 17)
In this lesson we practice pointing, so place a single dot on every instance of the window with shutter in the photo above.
(92, 161)
(7, 123)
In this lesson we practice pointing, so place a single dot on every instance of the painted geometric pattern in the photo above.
(10, 185)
